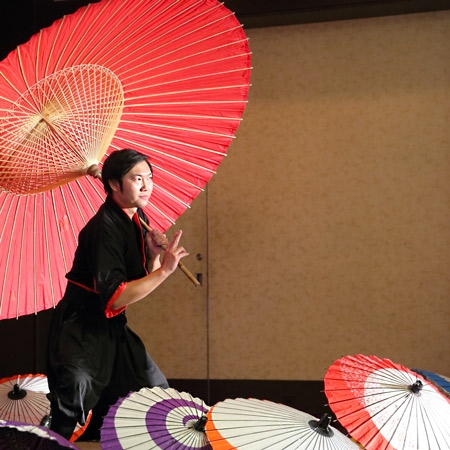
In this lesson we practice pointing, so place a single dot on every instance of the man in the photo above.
(93, 355)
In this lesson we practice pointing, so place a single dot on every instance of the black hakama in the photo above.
(92, 351)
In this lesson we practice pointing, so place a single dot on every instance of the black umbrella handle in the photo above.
(17, 393)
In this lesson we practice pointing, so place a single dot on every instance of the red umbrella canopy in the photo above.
(167, 77)
(386, 406)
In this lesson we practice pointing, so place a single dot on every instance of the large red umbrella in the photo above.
(166, 77)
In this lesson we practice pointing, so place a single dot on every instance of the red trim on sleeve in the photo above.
(109, 312)
(82, 286)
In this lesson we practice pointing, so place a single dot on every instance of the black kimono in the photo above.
(92, 351)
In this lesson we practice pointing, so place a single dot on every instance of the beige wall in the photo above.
(326, 229)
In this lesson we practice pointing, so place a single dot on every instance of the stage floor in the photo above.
(88, 445)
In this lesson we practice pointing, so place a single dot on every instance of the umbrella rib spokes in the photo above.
(74, 236)
(116, 35)
(16, 90)
(222, 74)
(190, 91)
(177, 177)
(88, 202)
(433, 421)
(19, 284)
(9, 253)
(80, 39)
(191, 116)
(175, 158)
(174, 141)
(168, 32)
(190, 130)
(184, 58)
(47, 248)
(388, 420)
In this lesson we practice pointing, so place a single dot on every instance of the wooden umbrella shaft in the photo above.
(183, 268)
(94, 171)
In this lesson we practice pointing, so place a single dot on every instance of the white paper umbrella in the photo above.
(23, 398)
(261, 424)
(386, 406)
(156, 419)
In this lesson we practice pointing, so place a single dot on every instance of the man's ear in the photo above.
(114, 185)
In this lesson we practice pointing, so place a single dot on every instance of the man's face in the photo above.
(136, 189)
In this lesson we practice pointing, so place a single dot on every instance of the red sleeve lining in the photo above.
(109, 312)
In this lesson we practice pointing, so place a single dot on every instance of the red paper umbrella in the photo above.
(384, 405)
(166, 77)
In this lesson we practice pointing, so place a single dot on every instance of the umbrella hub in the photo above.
(17, 393)
(322, 426)
(57, 127)
(93, 170)
(416, 387)
(200, 424)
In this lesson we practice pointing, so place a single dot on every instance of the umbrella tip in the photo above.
(416, 387)
(200, 424)
(322, 426)
(17, 393)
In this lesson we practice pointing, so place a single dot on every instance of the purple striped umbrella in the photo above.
(156, 419)
(23, 436)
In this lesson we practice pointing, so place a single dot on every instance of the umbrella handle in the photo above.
(183, 268)
(94, 170)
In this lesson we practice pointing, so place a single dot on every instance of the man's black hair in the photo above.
(118, 163)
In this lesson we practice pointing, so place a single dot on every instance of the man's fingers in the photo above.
(176, 239)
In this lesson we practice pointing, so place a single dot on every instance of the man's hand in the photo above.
(156, 242)
(173, 253)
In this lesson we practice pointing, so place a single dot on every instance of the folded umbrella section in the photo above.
(23, 436)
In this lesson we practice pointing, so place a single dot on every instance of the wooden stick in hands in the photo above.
(181, 266)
